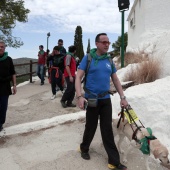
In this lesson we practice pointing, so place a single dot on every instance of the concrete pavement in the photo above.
(52, 143)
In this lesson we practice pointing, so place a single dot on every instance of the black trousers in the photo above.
(70, 91)
(56, 81)
(104, 112)
(3, 108)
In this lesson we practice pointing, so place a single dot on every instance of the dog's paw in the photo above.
(124, 160)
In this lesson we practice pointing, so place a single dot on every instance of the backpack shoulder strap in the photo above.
(89, 58)
(111, 62)
(110, 59)
(88, 63)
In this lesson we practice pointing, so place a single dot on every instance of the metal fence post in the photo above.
(30, 71)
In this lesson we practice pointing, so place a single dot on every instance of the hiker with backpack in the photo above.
(69, 74)
(97, 99)
(56, 70)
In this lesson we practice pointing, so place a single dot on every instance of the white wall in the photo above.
(157, 14)
(151, 33)
(139, 20)
(149, 15)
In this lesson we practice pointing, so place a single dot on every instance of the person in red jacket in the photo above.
(69, 74)
(41, 64)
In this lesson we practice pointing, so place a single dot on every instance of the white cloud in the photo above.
(60, 18)
(64, 15)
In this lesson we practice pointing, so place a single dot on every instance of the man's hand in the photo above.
(81, 101)
(14, 89)
(124, 103)
(71, 79)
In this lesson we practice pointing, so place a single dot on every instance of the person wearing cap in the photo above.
(41, 64)
(56, 70)
(69, 74)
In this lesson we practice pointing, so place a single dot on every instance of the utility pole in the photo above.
(48, 35)
(123, 6)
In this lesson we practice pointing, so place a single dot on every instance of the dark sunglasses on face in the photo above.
(105, 42)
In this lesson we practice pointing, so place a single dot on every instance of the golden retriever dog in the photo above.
(156, 147)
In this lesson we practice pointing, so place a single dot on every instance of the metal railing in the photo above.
(31, 72)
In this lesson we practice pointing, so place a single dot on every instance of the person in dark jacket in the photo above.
(64, 52)
(62, 49)
(56, 70)
(7, 74)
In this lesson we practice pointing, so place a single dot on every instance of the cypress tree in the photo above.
(88, 46)
(78, 42)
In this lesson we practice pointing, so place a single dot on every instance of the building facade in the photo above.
(147, 16)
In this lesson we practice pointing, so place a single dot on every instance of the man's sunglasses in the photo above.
(104, 42)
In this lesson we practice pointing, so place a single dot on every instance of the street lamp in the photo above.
(123, 6)
(48, 35)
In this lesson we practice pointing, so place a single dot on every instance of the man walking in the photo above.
(97, 86)
(69, 74)
(63, 52)
(7, 74)
(56, 70)
(41, 64)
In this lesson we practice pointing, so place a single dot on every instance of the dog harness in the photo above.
(144, 142)
(134, 137)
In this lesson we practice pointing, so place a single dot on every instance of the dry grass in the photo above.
(131, 58)
(146, 71)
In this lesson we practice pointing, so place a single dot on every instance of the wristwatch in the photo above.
(122, 97)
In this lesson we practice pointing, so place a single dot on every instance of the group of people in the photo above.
(61, 71)
(97, 86)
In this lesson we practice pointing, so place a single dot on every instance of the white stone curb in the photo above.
(37, 125)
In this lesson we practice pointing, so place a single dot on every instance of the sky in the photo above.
(61, 18)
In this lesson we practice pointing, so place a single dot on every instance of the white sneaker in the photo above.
(53, 97)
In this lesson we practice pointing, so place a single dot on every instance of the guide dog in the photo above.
(156, 147)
